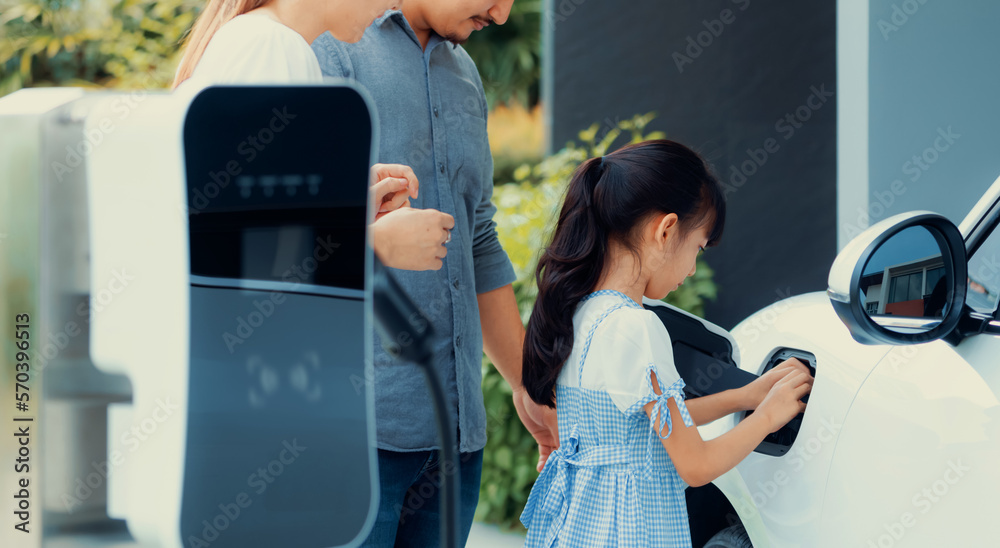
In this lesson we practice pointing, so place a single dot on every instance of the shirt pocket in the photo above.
(469, 148)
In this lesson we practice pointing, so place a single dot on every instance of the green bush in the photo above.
(526, 214)
(92, 43)
(509, 56)
(136, 44)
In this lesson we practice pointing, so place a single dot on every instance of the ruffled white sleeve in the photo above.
(634, 345)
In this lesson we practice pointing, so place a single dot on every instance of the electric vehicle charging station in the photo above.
(195, 276)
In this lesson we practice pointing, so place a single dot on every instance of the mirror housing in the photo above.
(847, 270)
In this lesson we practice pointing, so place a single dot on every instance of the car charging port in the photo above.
(778, 443)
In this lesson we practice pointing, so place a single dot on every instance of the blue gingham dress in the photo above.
(611, 482)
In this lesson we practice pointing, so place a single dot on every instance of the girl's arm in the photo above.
(706, 409)
(698, 461)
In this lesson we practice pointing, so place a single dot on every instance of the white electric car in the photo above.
(900, 442)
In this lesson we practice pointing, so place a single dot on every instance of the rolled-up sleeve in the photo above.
(491, 264)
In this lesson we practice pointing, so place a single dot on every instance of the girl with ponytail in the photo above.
(632, 225)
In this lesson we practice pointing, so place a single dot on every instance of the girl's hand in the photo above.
(781, 404)
(755, 392)
(392, 187)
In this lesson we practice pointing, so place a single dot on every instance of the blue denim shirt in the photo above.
(432, 117)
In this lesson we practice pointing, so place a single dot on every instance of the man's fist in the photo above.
(412, 239)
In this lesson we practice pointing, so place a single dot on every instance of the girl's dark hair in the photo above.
(608, 198)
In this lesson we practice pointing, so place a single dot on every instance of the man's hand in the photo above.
(755, 392)
(412, 239)
(540, 420)
(503, 342)
(392, 187)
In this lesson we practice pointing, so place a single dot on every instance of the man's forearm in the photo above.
(503, 332)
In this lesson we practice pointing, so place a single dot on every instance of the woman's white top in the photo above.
(253, 48)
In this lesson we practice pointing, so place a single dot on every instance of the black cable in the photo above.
(406, 336)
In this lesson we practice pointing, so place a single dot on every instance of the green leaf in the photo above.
(54, 46)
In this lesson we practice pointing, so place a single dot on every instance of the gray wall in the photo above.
(933, 72)
(608, 60)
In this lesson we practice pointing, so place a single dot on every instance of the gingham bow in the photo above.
(661, 411)
(553, 482)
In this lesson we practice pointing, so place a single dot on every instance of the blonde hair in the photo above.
(216, 14)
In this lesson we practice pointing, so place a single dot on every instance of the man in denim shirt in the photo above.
(432, 114)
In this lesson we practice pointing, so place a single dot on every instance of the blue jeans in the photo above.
(409, 509)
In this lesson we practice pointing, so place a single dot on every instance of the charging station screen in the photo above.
(278, 189)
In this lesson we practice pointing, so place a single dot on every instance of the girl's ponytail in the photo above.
(607, 198)
(566, 272)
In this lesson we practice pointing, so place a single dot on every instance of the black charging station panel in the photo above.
(279, 438)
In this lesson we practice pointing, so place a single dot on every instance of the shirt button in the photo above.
(458, 340)
(435, 112)
(455, 283)
(441, 168)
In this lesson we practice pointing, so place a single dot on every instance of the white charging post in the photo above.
(236, 219)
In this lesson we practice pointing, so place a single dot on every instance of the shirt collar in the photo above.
(389, 14)
(397, 16)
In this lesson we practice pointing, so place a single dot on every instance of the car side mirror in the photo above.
(901, 281)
